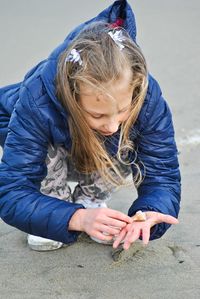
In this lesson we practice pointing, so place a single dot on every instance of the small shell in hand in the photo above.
(139, 216)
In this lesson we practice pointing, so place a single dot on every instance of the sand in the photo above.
(168, 33)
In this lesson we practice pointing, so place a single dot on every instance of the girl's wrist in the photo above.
(76, 221)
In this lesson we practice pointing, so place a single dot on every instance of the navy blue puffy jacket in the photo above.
(31, 117)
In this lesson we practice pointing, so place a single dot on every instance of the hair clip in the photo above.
(118, 38)
(119, 23)
(74, 56)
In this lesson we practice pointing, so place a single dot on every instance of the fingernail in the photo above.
(126, 247)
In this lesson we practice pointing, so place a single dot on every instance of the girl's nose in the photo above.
(112, 126)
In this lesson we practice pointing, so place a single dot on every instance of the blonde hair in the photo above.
(102, 61)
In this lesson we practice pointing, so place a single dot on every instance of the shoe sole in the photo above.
(45, 247)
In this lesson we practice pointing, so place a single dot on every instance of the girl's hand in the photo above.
(101, 223)
(133, 231)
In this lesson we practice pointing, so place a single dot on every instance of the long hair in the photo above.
(102, 62)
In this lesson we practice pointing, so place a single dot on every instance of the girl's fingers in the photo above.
(131, 237)
(109, 230)
(145, 235)
(132, 231)
(115, 223)
(167, 219)
(102, 236)
(120, 238)
(156, 218)
(119, 216)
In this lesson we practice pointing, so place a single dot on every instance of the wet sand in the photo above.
(168, 33)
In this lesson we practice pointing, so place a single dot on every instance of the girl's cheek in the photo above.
(94, 124)
(126, 116)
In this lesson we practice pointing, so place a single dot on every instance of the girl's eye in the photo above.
(97, 116)
(125, 110)
(100, 116)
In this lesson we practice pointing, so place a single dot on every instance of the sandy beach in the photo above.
(168, 268)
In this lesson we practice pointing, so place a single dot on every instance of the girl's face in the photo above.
(103, 113)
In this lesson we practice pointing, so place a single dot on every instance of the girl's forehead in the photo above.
(117, 96)
(121, 86)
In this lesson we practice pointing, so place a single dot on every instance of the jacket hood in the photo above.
(119, 10)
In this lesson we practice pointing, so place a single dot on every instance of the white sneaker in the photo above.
(42, 244)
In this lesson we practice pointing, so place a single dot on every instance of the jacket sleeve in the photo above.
(22, 169)
(156, 149)
(8, 98)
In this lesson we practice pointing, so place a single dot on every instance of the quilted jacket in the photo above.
(31, 117)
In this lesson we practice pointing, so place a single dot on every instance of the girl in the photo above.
(91, 113)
